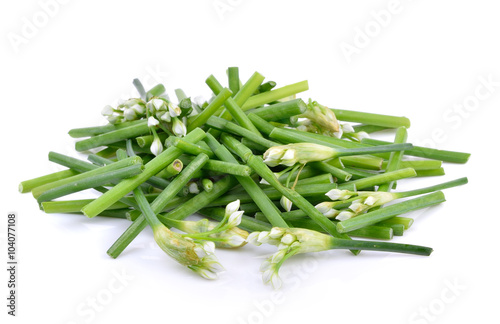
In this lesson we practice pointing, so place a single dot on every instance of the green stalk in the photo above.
(263, 170)
(395, 159)
(370, 232)
(342, 175)
(371, 118)
(113, 136)
(233, 79)
(248, 89)
(282, 110)
(98, 130)
(405, 221)
(151, 168)
(430, 173)
(155, 181)
(253, 190)
(384, 213)
(140, 88)
(155, 91)
(276, 94)
(440, 186)
(187, 147)
(363, 161)
(418, 165)
(157, 205)
(264, 87)
(227, 126)
(232, 107)
(200, 119)
(380, 246)
(369, 128)
(378, 179)
(28, 185)
(308, 190)
(145, 141)
(96, 171)
(146, 209)
(73, 206)
(87, 181)
(171, 170)
(429, 153)
(228, 168)
(207, 184)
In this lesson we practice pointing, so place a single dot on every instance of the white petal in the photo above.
(276, 232)
(263, 237)
(235, 218)
(347, 128)
(200, 252)
(370, 200)
(288, 238)
(276, 281)
(252, 238)
(156, 148)
(157, 103)
(266, 275)
(178, 128)
(232, 207)
(107, 110)
(209, 247)
(344, 215)
(235, 240)
(286, 203)
(278, 256)
(207, 274)
(152, 121)
(129, 114)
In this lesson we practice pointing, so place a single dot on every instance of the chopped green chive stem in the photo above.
(358, 173)
(73, 163)
(200, 119)
(247, 89)
(378, 179)
(156, 91)
(430, 173)
(140, 88)
(418, 165)
(92, 172)
(395, 158)
(147, 140)
(373, 217)
(380, 246)
(232, 107)
(98, 130)
(157, 205)
(369, 128)
(179, 93)
(189, 148)
(28, 185)
(73, 206)
(253, 190)
(228, 168)
(282, 110)
(441, 186)
(233, 79)
(369, 232)
(264, 87)
(426, 152)
(397, 229)
(207, 184)
(87, 181)
(363, 162)
(262, 169)
(340, 174)
(151, 168)
(371, 119)
(146, 209)
(154, 181)
(276, 94)
(171, 170)
(405, 221)
(227, 126)
(113, 136)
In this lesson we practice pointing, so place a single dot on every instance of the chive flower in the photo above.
(291, 154)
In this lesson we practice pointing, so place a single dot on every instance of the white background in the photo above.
(425, 60)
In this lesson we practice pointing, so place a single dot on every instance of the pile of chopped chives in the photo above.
(257, 164)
